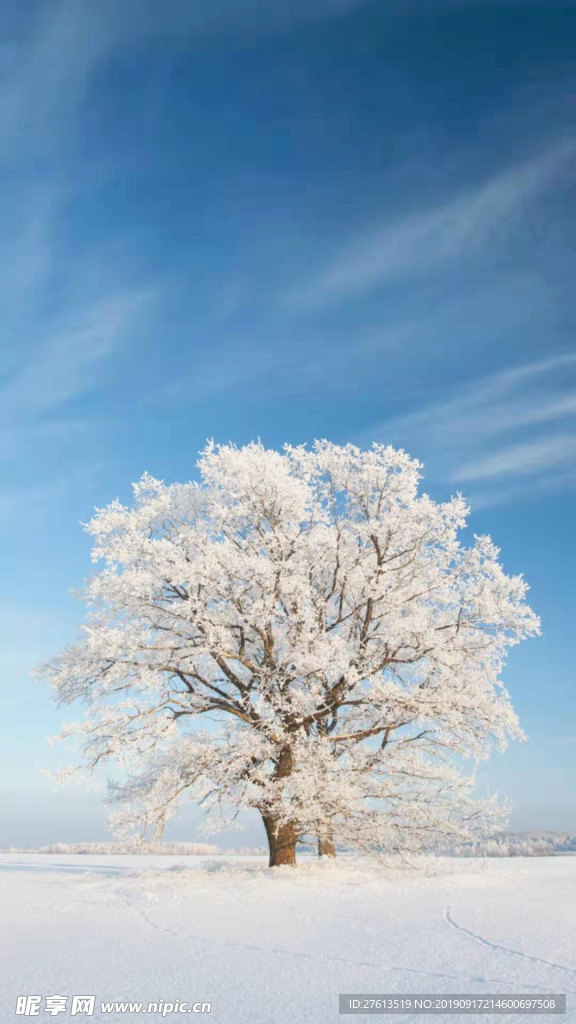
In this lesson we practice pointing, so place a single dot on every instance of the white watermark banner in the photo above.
(434, 1002)
(84, 1006)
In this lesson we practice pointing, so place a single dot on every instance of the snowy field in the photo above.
(276, 947)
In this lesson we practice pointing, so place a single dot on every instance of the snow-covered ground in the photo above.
(276, 947)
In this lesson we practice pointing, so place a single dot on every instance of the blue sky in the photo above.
(329, 218)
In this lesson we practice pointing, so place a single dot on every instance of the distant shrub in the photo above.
(519, 844)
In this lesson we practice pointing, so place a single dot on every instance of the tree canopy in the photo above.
(300, 632)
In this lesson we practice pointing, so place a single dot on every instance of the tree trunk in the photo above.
(281, 838)
(281, 842)
(326, 848)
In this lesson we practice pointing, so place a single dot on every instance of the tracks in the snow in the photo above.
(503, 949)
(325, 958)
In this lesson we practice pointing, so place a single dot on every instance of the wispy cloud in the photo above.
(70, 362)
(480, 219)
(231, 17)
(45, 82)
(65, 317)
(521, 459)
(489, 435)
(501, 402)
(318, 363)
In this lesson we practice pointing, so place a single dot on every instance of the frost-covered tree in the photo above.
(298, 632)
